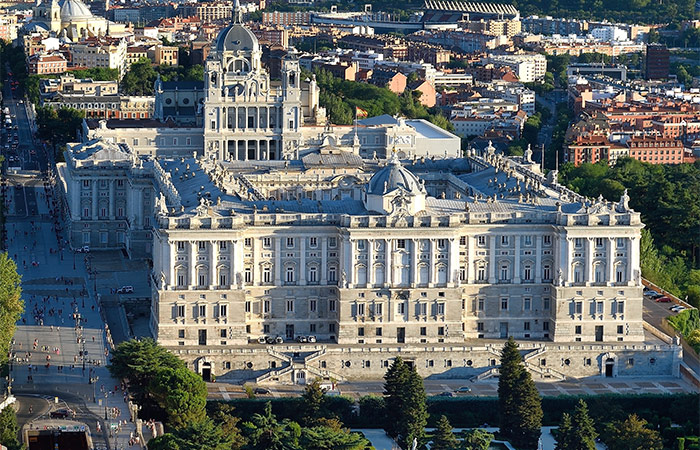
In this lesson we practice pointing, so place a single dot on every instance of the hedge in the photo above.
(477, 411)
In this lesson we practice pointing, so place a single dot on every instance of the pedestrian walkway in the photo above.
(61, 341)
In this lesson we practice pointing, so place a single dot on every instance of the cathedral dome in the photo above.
(394, 176)
(236, 37)
(72, 10)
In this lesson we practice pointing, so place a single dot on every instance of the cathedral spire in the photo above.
(237, 12)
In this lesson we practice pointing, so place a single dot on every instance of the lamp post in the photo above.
(74, 260)
(94, 382)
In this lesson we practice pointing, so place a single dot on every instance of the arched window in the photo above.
(547, 272)
(289, 274)
(598, 271)
(620, 273)
(361, 274)
(442, 274)
(504, 272)
(313, 274)
(578, 273)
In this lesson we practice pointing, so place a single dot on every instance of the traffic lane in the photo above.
(31, 407)
(655, 312)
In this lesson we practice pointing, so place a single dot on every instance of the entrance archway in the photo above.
(608, 365)
(204, 368)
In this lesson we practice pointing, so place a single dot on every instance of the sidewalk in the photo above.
(55, 294)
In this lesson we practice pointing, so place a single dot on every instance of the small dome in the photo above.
(74, 10)
(394, 176)
(236, 37)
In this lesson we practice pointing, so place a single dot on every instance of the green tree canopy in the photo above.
(311, 401)
(203, 435)
(405, 399)
(264, 432)
(520, 403)
(326, 438)
(9, 429)
(631, 434)
(443, 437)
(136, 361)
(476, 439)
(577, 431)
(181, 393)
(11, 304)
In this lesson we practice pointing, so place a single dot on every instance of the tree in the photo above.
(203, 435)
(564, 433)
(9, 429)
(632, 434)
(136, 361)
(519, 402)
(181, 393)
(11, 304)
(264, 432)
(222, 414)
(405, 399)
(584, 434)
(139, 79)
(312, 399)
(327, 438)
(444, 438)
(476, 439)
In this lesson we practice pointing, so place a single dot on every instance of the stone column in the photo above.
(370, 263)
(568, 259)
(538, 259)
(633, 262)
(471, 242)
(302, 261)
(389, 263)
(610, 261)
(214, 280)
(350, 245)
(112, 199)
(432, 271)
(589, 261)
(172, 261)
(414, 261)
(492, 259)
(256, 248)
(278, 261)
(453, 266)
(324, 244)
(516, 264)
(94, 198)
(193, 264)
(76, 207)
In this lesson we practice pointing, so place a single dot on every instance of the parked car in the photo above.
(61, 413)
(677, 308)
(302, 339)
(446, 394)
(663, 299)
(463, 390)
(651, 293)
(311, 339)
(261, 391)
(125, 290)
(83, 249)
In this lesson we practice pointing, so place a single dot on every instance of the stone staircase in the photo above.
(297, 365)
(252, 191)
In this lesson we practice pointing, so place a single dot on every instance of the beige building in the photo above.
(100, 52)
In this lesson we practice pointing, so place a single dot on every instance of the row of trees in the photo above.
(166, 390)
(142, 75)
(340, 97)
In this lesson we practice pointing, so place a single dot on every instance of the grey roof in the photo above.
(183, 85)
(236, 37)
(74, 10)
(345, 159)
(195, 185)
(100, 150)
(394, 176)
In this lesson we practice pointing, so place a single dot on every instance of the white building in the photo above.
(609, 34)
(527, 67)
(108, 53)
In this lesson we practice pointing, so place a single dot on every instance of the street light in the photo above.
(94, 382)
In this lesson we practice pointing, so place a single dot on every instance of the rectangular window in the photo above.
(401, 243)
(290, 242)
(248, 275)
(440, 309)
(527, 239)
(504, 240)
(441, 331)
(180, 245)
(361, 331)
(577, 329)
(480, 304)
(331, 305)
(247, 306)
(202, 245)
(313, 242)
(360, 309)
(422, 309)
(223, 310)
(312, 305)
(579, 307)
(599, 308)
(290, 306)
(620, 307)
(480, 326)
(504, 304)
(423, 331)
(267, 242)
(181, 334)
(202, 311)
(378, 309)
(332, 242)
(332, 274)
(481, 240)
(620, 329)
(545, 303)
(599, 242)
(547, 240)
(378, 331)
(545, 325)
(620, 242)
(401, 308)
(527, 304)
(267, 274)
(361, 244)
(248, 242)
(441, 243)
(266, 306)
(526, 326)
(181, 311)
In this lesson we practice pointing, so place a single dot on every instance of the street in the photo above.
(61, 344)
